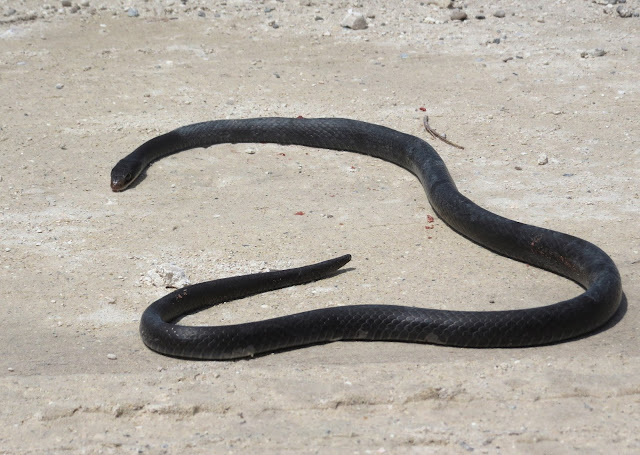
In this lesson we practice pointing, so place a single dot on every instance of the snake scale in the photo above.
(563, 254)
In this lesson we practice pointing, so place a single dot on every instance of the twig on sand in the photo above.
(435, 134)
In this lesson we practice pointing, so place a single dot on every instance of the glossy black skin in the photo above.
(560, 253)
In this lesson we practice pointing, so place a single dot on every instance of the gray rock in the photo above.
(623, 11)
(354, 21)
(133, 12)
(458, 15)
(500, 13)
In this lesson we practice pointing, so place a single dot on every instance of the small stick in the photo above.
(435, 134)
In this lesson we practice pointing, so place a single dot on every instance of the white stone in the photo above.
(168, 276)
(441, 3)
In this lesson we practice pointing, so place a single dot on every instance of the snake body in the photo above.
(563, 254)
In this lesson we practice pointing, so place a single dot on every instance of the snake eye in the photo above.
(128, 177)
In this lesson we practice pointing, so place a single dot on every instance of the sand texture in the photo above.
(545, 98)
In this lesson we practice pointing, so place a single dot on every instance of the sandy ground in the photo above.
(81, 90)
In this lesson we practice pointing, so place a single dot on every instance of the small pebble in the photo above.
(466, 446)
(543, 159)
(133, 12)
(480, 17)
(444, 4)
(624, 11)
(593, 53)
(354, 21)
(112, 356)
(59, 86)
(458, 15)
(10, 369)
(499, 13)
(66, 3)
(202, 13)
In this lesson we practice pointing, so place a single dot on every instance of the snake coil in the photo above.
(569, 256)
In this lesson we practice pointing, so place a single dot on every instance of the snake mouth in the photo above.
(121, 183)
(117, 186)
(124, 173)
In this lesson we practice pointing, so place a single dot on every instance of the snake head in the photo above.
(124, 173)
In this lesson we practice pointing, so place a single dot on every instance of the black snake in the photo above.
(563, 254)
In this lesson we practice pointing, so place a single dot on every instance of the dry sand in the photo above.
(74, 374)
